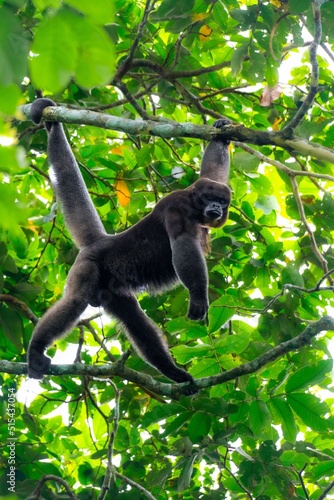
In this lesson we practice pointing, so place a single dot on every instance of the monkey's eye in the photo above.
(213, 199)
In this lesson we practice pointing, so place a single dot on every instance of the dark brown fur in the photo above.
(165, 247)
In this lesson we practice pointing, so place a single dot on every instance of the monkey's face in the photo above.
(212, 200)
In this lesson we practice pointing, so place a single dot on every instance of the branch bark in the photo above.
(326, 323)
(21, 306)
(314, 84)
(36, 494)
(169, 128)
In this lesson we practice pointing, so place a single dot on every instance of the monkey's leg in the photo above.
(146, 337)
(62, 317)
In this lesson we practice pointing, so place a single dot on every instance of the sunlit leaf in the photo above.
(309, 375)
(205, 31)
(310, 410)
(122, 193)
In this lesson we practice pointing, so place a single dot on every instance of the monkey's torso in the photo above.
(128, 260)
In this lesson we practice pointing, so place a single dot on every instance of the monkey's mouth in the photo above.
(214, 214)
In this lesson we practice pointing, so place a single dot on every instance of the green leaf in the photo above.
(234, 344)
(122, 439)
(219, 14)
(259, 417)
(292, 457)
(86, 473)
(186, 473)
(18, 241)
(101, 12)
(323, 469)
(246, 17)
(310, 410)
(261, 185)
(291, 275)
(135, 470)
(283, 415)
(298, 6)
(205, 368)
(219, 314)
(252, 386)
(14, 49)
(254, 69)
(267, 204)
(12, 327)
(199, 426)
(95, 63)
(169, 9)
(237, 59)
(85, 51)
(271, 73)
(9, 98)
(309, 375)
(10, 212)
(248, 161)
(183, 353)
(53, 63)
(178, 422)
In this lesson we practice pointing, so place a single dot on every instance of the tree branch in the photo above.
(281, 166)
(134, 485)
(318, 254)
(323, 496)
(18, 304)
(126, 64)
(169, 128)
(36, 494)
(324, 324)
(175, 390)
(314, 85)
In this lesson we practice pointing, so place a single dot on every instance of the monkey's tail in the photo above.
(80, 214)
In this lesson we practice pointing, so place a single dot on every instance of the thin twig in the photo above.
(19, 304)
(248, 495)
(300, 206)
(300, 475)
(323, 496)
(150, 4)
(36, 494)
(110, 469)
(314, 84)
(135, 485)
(288, 171)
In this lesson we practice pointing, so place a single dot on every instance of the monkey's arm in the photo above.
(80, 214)
(189, 263)
(216, 159)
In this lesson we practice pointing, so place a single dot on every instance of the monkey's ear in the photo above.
(37, 108)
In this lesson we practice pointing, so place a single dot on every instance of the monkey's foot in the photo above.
(38, 363)
(198, 310)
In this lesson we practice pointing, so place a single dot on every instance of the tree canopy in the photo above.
(139, 85)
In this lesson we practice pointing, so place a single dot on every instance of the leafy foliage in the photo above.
(264, 435)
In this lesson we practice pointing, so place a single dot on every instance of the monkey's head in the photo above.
(212, 200)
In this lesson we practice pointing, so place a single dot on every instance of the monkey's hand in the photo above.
(198, 309)
(38, 363)
(37, 108)
(222, 122)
